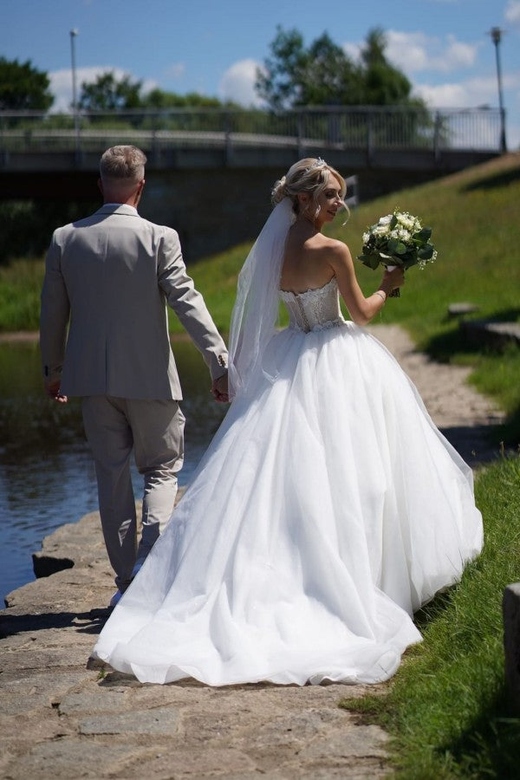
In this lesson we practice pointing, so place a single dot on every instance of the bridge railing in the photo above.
(366, 128)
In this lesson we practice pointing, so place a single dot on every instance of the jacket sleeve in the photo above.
(189, 305)
(54, 314)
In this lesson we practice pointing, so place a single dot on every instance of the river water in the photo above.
(47, 476)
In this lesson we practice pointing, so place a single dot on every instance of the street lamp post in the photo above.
(496, 37)
(73, 34)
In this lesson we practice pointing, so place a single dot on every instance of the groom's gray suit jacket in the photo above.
(103, 308)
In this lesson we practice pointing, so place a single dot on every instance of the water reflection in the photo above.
(46, 474)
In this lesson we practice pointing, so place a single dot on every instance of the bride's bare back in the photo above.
(305, 265)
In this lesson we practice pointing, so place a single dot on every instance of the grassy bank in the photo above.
(447, 708)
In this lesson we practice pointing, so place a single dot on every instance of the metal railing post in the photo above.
(437, 137)
(370, 136)
(299, 129)
(229, 141)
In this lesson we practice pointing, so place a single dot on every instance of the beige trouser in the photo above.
(154, 430)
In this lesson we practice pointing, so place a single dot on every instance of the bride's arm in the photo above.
(361, 309)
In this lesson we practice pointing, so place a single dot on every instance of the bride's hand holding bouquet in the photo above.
(397, 239)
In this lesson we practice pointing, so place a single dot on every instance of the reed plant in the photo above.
(20, 287)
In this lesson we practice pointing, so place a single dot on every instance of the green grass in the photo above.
(475, 232)
(447, 709)
(20, 286)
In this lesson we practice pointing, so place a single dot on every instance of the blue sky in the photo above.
(214, 46)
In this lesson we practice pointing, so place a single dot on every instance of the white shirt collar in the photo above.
(127, 205)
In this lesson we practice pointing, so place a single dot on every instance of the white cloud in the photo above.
(176, 71)
(352, 50)
(415, 52)
(238, 83)
(61, 83)
(466, 94)
(461, 94)
(512, 12)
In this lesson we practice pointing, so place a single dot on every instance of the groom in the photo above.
(104, 337)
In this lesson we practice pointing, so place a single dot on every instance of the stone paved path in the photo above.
(60, 720)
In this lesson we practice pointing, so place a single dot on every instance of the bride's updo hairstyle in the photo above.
(307, 175)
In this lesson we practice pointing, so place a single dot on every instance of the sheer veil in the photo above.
(255, 312)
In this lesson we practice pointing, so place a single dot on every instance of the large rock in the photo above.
(511, 614)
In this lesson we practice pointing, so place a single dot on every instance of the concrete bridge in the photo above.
(210, 171)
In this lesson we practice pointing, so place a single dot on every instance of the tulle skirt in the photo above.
(327, 509)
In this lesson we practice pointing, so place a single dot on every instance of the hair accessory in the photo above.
(317, 163)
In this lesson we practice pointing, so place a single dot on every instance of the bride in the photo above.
(328, 507)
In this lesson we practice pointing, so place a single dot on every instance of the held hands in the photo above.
(219, 389)
(52, 389)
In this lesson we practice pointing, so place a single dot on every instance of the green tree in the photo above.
(381, 83)
(330, 77)
(163, 116)
(23, 87)
(159, 99)
(323, 74)
(107, 93)
(279, 83)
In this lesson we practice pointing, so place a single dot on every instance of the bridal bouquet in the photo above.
(398, 239)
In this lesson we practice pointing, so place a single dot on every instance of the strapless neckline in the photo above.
(309, 289)
(314, 309)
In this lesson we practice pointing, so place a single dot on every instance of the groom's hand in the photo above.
(219, 389)
(52, 388)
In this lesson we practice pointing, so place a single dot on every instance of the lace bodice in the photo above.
(314, 309)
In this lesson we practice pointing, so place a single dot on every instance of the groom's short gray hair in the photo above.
(123, 162)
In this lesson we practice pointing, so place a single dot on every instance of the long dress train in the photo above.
(327, 509)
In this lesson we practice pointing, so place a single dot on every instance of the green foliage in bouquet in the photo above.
(397, 239)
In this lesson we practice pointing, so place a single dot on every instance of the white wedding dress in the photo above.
(326, 510)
